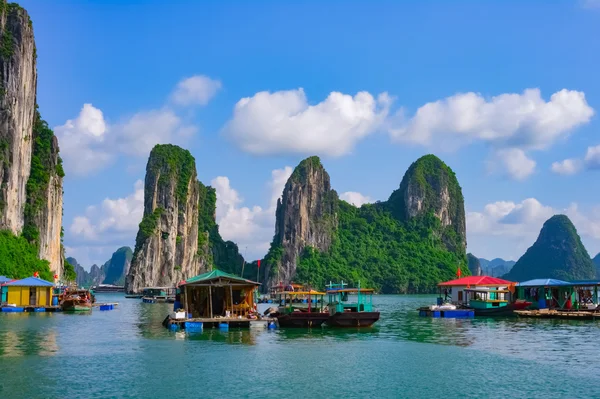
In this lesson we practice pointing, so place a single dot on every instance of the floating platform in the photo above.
(106, 304)
(223, 323)
(559, 314)
(133, 296)
(29, 309)
(447, 313)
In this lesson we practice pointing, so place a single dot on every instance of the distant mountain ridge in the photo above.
(496, 267)
(113, 271)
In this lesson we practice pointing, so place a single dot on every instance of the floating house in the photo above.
(217, 294)
(30, 291)
(462, 290)
(558, 294)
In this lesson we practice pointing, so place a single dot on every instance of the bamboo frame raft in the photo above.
(559, 314)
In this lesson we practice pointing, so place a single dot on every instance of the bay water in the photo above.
(127, 353)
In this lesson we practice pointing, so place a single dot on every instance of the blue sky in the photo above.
(499, 90)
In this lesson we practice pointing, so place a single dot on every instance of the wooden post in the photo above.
(210, 300)
(231, 299)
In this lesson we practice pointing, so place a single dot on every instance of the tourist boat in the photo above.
(301, 309)
(77, 300)
(108, 288)
(158, 294)
(350, 314)
(493, 302)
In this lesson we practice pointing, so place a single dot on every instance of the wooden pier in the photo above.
(559, 314)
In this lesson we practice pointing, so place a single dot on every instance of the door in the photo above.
(32, 296)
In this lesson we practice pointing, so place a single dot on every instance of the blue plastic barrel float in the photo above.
(107, 307)
(173, 327)
(39, 309)
(54, 301)
(193, 326)
(176, 306)
(271, 325)
(223, 326)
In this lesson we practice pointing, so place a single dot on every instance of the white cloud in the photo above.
(566, 167)
(506, 229)
(522, 120)
(115, 220)
(592, 157)
(355, 198)
(198, 89)
(89, 143)
(284, 122)
(514, 162)
(250, 228)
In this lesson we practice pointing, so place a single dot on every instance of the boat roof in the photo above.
(336, 290)
(216, 275)
(30, 282)
(311, 292)
(544, 282)
(477, 280)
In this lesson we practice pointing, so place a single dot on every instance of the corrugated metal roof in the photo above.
(4, 279)
(544, 282)
(477, 280)
(215, 274)
(30, 282)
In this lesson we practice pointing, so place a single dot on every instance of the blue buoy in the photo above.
(223, 326)
(271, 325)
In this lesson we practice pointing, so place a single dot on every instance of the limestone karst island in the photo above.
(267, 200)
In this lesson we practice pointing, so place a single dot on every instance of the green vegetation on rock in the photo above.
(301, 171)
(375, 248)
(42, 161)
(557, 253)
(147, 228)
(69, 273)
(19, 258)
(179, 165)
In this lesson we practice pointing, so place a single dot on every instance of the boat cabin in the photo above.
(484, 291)
(300, 301)
(218, 294)
(338, 299)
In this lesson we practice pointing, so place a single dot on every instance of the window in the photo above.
(460, 296)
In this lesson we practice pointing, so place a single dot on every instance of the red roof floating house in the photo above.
(456, 291)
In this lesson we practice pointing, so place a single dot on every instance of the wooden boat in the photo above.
(301, 309)
(492, 302)
(158, 294)
(77, 300)
(350, 314)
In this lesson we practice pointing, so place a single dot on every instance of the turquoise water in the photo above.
(126, 353)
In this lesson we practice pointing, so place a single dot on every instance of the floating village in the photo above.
(221, 300)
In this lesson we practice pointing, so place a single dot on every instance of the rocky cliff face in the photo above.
(474, 265)
(84, 278)
(31, 173)
(557, 253)
(18, 78)
(166, 248)
(305, 217)
(117, 267)
(430, 187)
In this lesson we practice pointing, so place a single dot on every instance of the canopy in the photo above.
(311, 292)
(477, 280)
(30, 282)
(544, 282)
(336, 290)
(218, 274)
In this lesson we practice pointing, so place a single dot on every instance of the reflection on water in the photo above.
(404, 353)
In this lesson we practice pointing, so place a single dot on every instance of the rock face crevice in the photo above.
(305, 217)
(167, 242)
(31, 193)
(17, 106)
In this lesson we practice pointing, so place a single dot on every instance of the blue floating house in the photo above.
(30, 291)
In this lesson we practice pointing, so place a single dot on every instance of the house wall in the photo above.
(20, 296)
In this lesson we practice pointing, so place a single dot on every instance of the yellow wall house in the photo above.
(30, 291)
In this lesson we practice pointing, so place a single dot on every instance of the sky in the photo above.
(505, 92)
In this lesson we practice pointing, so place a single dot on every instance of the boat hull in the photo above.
(302, 319)
(353, 319)
(504, 311)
